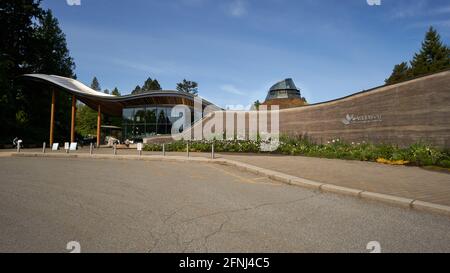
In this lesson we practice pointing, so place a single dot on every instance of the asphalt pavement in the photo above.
(150, 206)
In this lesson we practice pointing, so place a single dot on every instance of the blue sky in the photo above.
(236, 49)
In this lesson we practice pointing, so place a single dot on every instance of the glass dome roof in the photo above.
(286, 84)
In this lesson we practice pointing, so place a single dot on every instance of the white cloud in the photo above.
(435, 23)
(136, 66)
(238, 107)
(193, 3)
(231, 89)
(417, 8)
(238, 8)
(441, 10)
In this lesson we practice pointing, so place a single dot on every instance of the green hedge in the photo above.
(418, 154)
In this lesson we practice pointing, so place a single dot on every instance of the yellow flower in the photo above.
(392, 162)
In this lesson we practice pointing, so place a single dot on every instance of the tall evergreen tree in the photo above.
(115, 92)
(50, 56)
(95, 84)
(50, 50)
(151, 85)
(16, 39)
(155, 85)
(31, 42)
(400, 73)
(147, 85)
(434, 56)
(137, 90)
(188, 87)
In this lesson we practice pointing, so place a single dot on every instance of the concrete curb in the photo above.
(6, 154)
(341, 190)
(390, 199)
(430, 207)
(277, 176)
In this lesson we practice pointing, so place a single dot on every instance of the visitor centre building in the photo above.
(402, 114)
(143, 115)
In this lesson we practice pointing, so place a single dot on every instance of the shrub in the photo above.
(418, 154)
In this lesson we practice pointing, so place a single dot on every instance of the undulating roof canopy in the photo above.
(111, 104)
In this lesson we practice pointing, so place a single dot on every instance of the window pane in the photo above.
(138, 130)
(128, 132)
(161, 115)
(162, 129)
(150, 129)
(128, 115)
(139, 115)
(150, 115)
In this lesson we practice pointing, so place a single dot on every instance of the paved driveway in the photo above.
(137, 206)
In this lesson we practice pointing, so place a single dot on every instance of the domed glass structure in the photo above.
(284, 89)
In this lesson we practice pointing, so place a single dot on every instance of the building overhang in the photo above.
(110, 104)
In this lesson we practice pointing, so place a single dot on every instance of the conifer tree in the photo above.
(434, 56)
(400, 73)
(95, 84)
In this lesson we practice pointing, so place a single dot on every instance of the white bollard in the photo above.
(139, 148)
(187, 149)
(164, 149)
(43, 148)
(91, 147)
(212, 151)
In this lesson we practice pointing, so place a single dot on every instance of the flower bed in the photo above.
(418, 154)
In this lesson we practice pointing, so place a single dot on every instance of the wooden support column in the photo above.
(72, 125)
(52, 117)
(99, 125)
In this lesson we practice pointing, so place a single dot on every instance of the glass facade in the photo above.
(147, 121)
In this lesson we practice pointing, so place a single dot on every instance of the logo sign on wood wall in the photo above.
(354, 119)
